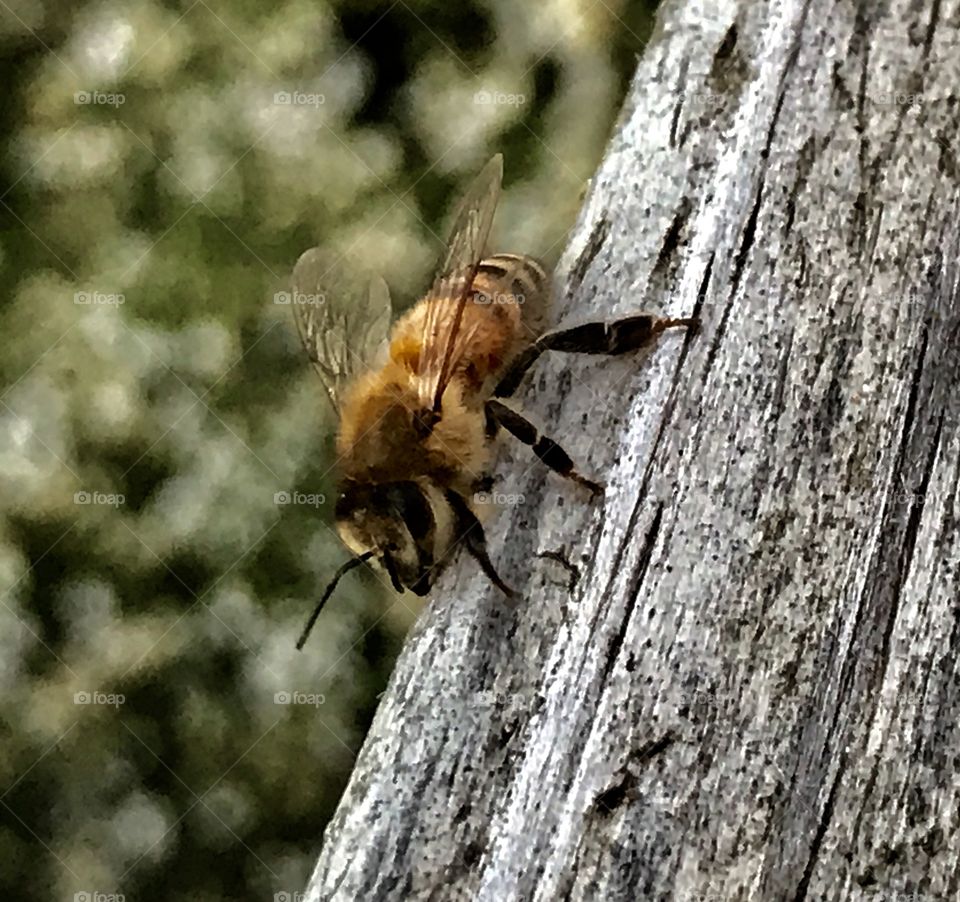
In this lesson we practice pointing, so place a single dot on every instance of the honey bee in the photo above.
(420, 406)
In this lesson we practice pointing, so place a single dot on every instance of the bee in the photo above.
(421, 405)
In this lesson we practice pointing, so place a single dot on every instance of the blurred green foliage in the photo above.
(163, 165)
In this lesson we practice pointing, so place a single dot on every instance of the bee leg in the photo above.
(560, 557)
(617, 337)
(483, 485)
(491, 426)
(545, 448)
(469, 528)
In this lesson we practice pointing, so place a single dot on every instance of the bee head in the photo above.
(394, 520)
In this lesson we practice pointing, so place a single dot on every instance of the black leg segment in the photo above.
(468, 526)
(545, 448)
(618, 337)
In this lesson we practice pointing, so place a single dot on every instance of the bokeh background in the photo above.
(163, 165)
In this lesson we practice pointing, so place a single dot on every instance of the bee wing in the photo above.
(443, 341)
(340, 333)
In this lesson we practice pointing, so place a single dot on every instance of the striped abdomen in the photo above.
(511, 278)
(505, 314)
(510, 295)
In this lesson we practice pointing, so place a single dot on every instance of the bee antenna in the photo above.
(345, 568)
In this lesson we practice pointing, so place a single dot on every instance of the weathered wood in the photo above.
(752, 691)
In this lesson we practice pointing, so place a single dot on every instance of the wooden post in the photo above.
(747, 685)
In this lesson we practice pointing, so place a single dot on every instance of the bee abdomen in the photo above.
(524, 280)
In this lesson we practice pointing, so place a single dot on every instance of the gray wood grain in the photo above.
(752, 692)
